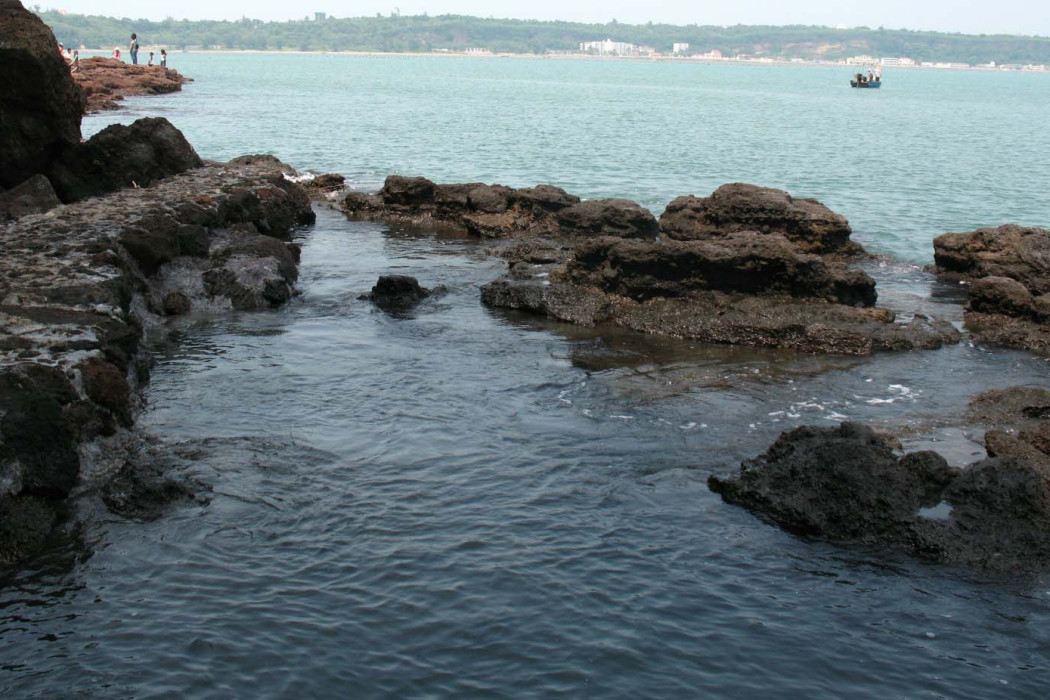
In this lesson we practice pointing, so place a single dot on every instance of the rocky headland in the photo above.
(850, 484)
(102, 240)
(747, 265)
(1007, 272)
(105, 82)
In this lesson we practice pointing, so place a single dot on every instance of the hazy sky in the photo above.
(970, 16)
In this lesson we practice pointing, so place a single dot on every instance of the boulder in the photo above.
(1017, 252)
(545, 199)
(740, 262)
(620, 218)
(34, 196)
(40, 107)
(1001, 295)
(844, 482)
(740, 207)
(397, 292)
(38, 455)
(400, 191)
(122, 156)
(847, 484)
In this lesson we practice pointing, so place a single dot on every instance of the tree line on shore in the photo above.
(422, 33)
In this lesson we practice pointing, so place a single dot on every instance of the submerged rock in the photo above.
(40, 107)
(399, 293)
(848, 484)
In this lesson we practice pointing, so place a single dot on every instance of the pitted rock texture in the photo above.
(496, 211)
(808, 224)
(738, 262)
(1008, 272)
(105, 82)
(79, 283)
(40, 107)
(848, 484)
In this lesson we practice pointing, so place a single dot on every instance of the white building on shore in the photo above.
(897, 62)
(609, 48)
(680, 48)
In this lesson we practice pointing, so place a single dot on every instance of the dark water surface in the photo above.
(468, 503)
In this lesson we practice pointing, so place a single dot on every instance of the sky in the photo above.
(968, 16)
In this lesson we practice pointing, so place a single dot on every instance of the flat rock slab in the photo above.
(105, 82)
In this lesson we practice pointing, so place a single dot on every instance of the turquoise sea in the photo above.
(932, 152)
(468, 503)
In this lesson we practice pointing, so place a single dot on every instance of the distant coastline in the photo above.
(856, 66)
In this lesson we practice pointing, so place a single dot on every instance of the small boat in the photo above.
(872, 80)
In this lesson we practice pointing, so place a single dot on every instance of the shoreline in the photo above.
(583, 57)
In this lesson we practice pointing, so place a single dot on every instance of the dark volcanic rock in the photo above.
(741, 262)
(621, 218)
(1001, 295)
(107, 386)
(1017, 252)
(40, 107)
(34, 196)
(846, 484)
(397, 292)
(143, 489)
(730, 319)
(122, 156)
(76, 287)
(37, 449)
(402, 191)
(1009, 270)
(490, 211)
(807, 223)
(841, 483)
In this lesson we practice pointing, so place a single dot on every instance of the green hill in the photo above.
(423, 33)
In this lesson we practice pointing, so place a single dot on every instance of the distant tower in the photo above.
(320, 16)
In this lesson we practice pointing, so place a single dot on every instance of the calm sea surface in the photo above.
(467, 503)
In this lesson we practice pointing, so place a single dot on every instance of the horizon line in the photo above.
(612, 23)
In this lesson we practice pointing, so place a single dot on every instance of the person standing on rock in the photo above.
(133, 49)
(163, 58)
(150, 64)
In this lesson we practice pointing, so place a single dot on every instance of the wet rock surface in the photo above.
(1007, 270)
(40, 107)
(105, 82)
(399, 293)
(715, 285)
(80, 284)
(850, 484)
